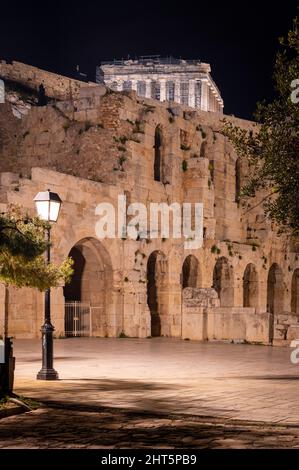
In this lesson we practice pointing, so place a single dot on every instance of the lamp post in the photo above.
(47, 206)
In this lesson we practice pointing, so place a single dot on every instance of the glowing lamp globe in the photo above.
(47, 205)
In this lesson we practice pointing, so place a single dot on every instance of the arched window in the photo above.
(158, 154)
(156, 289)
(190, 272)
(238, 180)
(203, 148)
(223, 282)
(250, 286)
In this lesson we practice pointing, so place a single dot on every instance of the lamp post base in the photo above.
(47, 374)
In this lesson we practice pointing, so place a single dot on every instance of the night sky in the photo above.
(239, 40)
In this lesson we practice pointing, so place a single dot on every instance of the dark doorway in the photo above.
(223, 282)
(190, 272)
(73, 291)
(275, 296)
(156, 294)
(295, 293)
(250, 286)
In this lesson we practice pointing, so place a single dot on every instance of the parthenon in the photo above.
(188, 82)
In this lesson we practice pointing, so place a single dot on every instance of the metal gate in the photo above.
(77, 319)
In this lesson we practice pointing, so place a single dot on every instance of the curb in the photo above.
(12, 411)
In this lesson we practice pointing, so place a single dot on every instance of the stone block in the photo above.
(293, 332)
(9, 179)
(92, 91)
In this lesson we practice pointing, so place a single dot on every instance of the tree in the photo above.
(271, 149)
(22, 244)
(22, 264)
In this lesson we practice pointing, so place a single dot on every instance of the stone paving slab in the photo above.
(70, 428)
(156, 393)
(237, 381)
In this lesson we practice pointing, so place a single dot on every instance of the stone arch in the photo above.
(295, 292)
(250, 286)
(158, 161)
(92, 282)
(237, 180)
(275, 295)
(156, 290)
(191, 272)
(223, 282)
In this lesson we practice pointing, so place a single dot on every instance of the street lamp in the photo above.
(47, 206)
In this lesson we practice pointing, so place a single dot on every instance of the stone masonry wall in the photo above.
(56, 86)
(101, 145)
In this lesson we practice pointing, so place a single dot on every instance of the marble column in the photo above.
(191, 93)
(177, 91)
(162, 89)
(148, 88)
(204, 95)
(134, 85)
(119, 86)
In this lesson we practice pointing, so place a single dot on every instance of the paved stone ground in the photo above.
(103, 428)
(157, 393)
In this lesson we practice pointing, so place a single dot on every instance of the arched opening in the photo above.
(158, 154)
(237, 180)
(156, 295)
(190, 272)
(203, 149)
(89, 294)
(223, 282)
(250, 286)
(275, 296)
(295, 292)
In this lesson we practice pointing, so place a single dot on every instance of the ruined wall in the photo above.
(102, 144)
(56, 86)
(201, 307)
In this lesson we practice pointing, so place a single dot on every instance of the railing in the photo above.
(78, 319)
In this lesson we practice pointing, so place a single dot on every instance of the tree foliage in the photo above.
(22, 247)
(272, 147)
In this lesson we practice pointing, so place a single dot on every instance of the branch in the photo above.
(260, 202)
